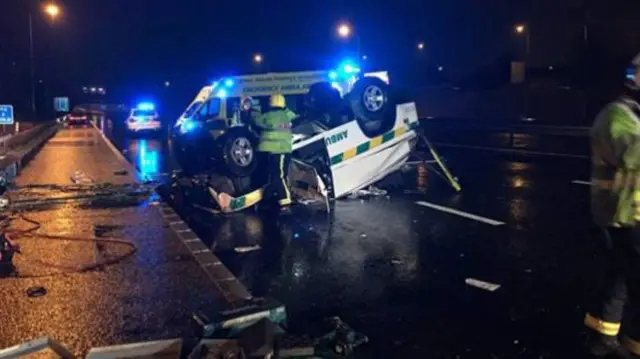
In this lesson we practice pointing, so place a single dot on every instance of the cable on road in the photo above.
(14, 234)
(105, 194)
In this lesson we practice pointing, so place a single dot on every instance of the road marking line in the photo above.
(489, 221)
(192, 240)
(212, 264)
(176, 223)
(510, 150)
(586, 183)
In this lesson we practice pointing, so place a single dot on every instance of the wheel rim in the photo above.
(373, 98)
(242, 151)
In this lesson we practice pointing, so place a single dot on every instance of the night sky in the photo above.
(143, 42)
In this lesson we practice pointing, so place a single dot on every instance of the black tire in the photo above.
(242, 185)
(322, 100)
(239, 152)
(372, 106)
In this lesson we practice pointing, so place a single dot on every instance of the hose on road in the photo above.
(12, 235)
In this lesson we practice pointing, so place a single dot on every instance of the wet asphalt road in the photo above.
(147, 296)
(396, 270)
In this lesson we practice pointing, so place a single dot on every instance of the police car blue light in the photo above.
(228, 82)
(333, 75)
(221, 93)
(146, 106)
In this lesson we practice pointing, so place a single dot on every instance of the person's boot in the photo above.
(601, 346)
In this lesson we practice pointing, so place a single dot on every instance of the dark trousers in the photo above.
(278, 171)
(619, 295)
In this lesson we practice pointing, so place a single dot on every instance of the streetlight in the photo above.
(520, 30)
(53, 11)
(345, 31)
(257, 58)
(421, 46)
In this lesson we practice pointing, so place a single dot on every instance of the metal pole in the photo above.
(33, 73)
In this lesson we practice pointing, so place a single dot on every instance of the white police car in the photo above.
(144, 118)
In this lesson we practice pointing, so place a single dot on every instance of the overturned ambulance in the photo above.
(349, 134)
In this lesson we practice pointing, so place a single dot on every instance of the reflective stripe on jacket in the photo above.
(615, 172)
(276, 134)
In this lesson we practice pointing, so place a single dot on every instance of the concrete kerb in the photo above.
(233, 291)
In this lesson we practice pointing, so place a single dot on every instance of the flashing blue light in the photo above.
(214, 84)
(221, 93)
(349, 67)
(228, 82)
(333, 75)
(187, 125)
(146, 106)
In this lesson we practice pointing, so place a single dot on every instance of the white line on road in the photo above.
(586, 183)
(489, 221)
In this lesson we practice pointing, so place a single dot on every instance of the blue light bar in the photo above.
(146, 106)
(228, 82)
(333, 75)
(221, 93)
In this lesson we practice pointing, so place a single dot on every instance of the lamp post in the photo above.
(345, 31)
(521, 29)
(53, 11)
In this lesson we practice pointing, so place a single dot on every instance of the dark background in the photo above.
(131, 47)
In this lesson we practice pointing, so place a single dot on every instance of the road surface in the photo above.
(394, 266)
(149, 295)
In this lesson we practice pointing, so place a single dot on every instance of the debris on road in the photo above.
(491, 287)
(247, 249)
(35, 292)
(121, 173)
(371, 192)
(79, 177)
(342, 340)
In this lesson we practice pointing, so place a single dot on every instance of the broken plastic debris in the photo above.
(35, 292)
(372, 191)
(307, 201)
(121, 173)
(79, 177)
(491, 287)
(363, 235)
(247, 249)
(396, 261)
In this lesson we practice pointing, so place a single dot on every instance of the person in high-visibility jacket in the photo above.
(615, 207)
(275, 142)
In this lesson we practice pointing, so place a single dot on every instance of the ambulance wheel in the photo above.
(323, 99)
(242, 185)
(372, 106)
(240, 153)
